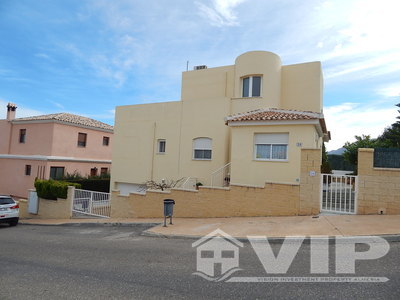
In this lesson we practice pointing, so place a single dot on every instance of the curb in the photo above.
(273, 240)
(95, 224)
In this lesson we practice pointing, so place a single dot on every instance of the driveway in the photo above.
(113, 262)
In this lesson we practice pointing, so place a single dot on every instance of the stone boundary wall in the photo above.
(378, 188)
(274, 199)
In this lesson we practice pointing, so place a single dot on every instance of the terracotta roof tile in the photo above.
(69, 118)
(273, 114)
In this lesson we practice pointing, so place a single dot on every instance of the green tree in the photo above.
(363, 141)
(325, 166)
(391, 135)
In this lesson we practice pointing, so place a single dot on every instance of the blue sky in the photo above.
(88, 56)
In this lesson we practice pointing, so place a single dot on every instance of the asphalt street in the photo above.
(114, 262)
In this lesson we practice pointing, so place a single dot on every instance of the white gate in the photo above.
(91, 203)
(339, 193)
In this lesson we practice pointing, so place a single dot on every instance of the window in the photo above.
(106, 140)
(251, 86)
(93, 171)
(202, 148)
(22, 136)
(271, 146)
(82, 139)
(103, 171)
(161, 146)
(56, 172)
(28, 169)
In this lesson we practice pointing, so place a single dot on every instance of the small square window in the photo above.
(56, 172)
(28, 169)
(93, 171)
(106, 140)
(22, 136)
(161, 146)
(103, 171)
(82, 139)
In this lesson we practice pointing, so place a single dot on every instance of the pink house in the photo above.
(49, 146)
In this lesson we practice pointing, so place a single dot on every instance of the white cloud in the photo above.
(360, 38)
(392, 90)
(221, 12)
(350, 119)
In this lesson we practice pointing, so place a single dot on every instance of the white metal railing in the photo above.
(190, 183)
(222, 176)
(92, 203)
(339, 193)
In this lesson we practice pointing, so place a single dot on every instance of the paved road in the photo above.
(94, 262)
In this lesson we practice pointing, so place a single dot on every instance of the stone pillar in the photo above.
(310, 182)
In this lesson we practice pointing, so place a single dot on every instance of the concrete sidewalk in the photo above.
(337, 225)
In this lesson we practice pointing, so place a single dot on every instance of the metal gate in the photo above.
(91, 203)
(339, 193)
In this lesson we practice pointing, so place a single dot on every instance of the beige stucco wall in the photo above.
(269, 200)
(266, 64)
(246, 170)
(302, 87)
(207, 97)
(378, 188)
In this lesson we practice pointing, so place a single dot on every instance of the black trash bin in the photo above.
(168, 210)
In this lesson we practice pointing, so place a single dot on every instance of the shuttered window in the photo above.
(82, 139)
(202, 148)
(271, 146)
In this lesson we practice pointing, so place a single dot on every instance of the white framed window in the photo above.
(202, 149)
(271, 146)
(161, 146)
(251, 86)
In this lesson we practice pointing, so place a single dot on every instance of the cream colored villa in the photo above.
(244, 124)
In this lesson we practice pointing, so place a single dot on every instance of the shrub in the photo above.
(51, 189)
(98, 185)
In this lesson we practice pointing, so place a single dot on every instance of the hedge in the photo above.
(51, 189)
(98, 185)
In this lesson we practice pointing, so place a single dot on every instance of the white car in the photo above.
(9, 211)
